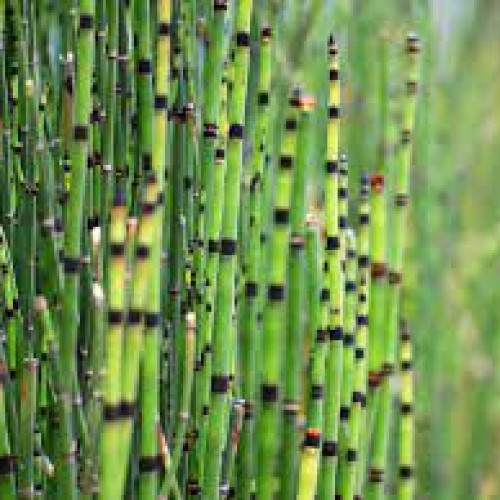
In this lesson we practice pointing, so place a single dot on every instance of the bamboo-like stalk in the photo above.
(250, 329)
(295, 299)
(406, 431)
(357, 414)
(213, 171)
(7, 477)
(348, 355)
(66, 467)
(149, 397)
(333, 258)
(110, 438)
(133, 341)
(275, 311)
(397, 247)
(227, 263)
(318, 316)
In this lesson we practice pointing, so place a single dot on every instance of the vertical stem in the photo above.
(406, 485)
(333, 258)
(227, 259)
(295, 299)
(250, 334)
(275, 311)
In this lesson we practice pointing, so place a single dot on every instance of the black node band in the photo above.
(227, 247)
(269, 393)
(406, 408)
(127, 409)
(359, 353)
(144, 66)
(290, 124)
(9, 313)
(220, 4)
(343, 194)
(363, 261)
(263, 98)
(112, 413)
(359, 398)
(80, 132)
(286, 162)
(152, 320)
(406, 472)
(352, 455)
(329, 448)
(350, 286)
(266, 32)
(332, 167)
(236, 131)
(325, 295)
(362, 320)
(115, 249)
(86, 21)
(142, 252)
(364, 219)
(213, 246)
(7, 464)
(321, 335)
(344, 413)
(343, 222)
(334, 75)
(164, 29)
(348, 340)
(149, 464)
(251, 289)
(332, 243)
(210, 130)
(115, 317)
(312, 440)
(71, 265)
(281, 216)
(336, 333)
(406, 365)
(333, 112)
(275, 293)
(134, 316)
(161, 101)
(317, 391)
(220, 154)
(243, 39)
(219, 384)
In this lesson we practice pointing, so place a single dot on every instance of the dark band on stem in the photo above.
(269, 393)
(275, 292)
(329, 448)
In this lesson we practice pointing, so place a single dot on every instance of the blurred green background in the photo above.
(451, 296)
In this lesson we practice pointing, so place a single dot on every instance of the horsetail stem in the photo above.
(319, 300)
(275, 310)
(348, 355)
(250, 328)
(213, 173)
(227, 259)
(110, 438)
(148, 462)
(383, 417)
(295, 299)
(357, 412)
(333, 259)
(406, 486)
